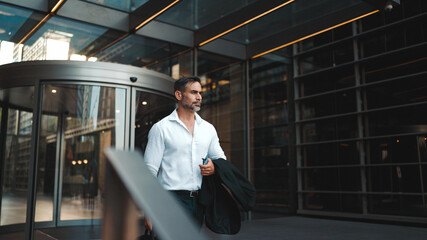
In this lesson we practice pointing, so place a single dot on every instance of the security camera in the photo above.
(388, 6)
(133, 79)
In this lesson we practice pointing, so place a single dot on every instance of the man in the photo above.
(179, 143)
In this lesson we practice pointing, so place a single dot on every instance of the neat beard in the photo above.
(195, 106)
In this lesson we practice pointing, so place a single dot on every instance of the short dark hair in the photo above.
(181, 83)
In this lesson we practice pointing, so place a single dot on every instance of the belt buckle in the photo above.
(194, 193)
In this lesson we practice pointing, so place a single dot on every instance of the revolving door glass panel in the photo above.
(88, 119)
(17, 118)
(149, 109)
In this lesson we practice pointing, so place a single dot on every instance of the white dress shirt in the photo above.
(173, 154)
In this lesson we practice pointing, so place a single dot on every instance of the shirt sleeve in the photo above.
(215, 150)
(154, 151)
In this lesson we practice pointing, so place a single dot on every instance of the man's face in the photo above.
(192, 97)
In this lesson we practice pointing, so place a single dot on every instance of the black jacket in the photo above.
(222, 214)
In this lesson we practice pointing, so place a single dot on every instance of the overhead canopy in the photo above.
(118, 30)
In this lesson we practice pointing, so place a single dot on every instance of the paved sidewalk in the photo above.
(295, 228)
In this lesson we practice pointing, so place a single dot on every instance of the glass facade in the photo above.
(361, 120)
(330, 125)
(16, 158)
(223, 102)
(269, 129)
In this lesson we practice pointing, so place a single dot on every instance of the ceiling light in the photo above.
(246, 22)
(144, 103)
(155, 15)
(53, 90)
(314, 34)
(57, 5)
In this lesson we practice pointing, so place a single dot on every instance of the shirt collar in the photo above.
(174, 117)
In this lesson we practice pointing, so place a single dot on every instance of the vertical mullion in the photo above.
(297, 128)
(4, 117)
(32, 170)
(359, 105)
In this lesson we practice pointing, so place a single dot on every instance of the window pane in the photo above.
(327, 57)
(398, 179)
(94, 120)
(396, 205)
(403, 63)
(223, 102)
(330, 104)
(396, 121)
(268, 99)
(329, 129)
(17, 151)
(332, 179)
(46, 168)
(326, 81)
(333, 202)
(141, 51)
(330, 154)
(176, 66)
(404, 91)
(150, 108)
(401, 149)
(63, 39)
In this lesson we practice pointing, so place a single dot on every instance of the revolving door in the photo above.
(54, 127)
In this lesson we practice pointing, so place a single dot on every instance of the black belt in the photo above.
(187, 193)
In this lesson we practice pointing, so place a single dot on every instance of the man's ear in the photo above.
(178, 95)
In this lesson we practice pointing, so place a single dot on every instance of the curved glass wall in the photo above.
(80, 114)
(16, 122)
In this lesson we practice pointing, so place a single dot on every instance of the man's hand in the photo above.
(148, 225)
(207, 169)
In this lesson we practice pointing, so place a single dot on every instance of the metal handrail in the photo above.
(131, 187)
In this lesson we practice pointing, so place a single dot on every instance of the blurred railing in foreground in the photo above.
(130, 189)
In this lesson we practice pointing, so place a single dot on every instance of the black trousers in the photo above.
(191, 205)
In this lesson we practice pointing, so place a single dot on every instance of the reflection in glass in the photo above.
(11, 20)
(406, 90)
(326, 37)
(329, 57)
(269, 129)
(223, 102)
(46, 167)
(337, 202)
(124, 5)
(139, 51)
(61, 39)
(327, 81)
(174, 66)
(329, 129)
(400, 149)
(388, 66)
(149, 108)
(342, 153)
(406, 205)
(15, 169)
(397, 121)
(330, 104)
(96, 121)
(92, 118)
(290, 16)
